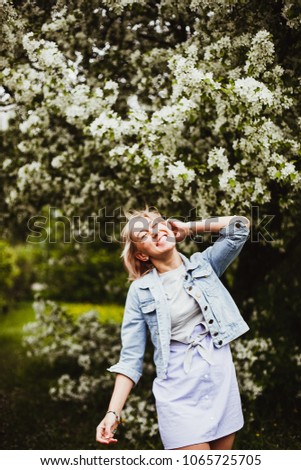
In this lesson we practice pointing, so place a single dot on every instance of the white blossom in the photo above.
(217, 157)
(225, 177)
(6, 163)
(32, 121)
(261, 53)
(58, 161)
(252, 91)
(178, 169)
(38, 286)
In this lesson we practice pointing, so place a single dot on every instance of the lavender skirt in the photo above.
(202, 405)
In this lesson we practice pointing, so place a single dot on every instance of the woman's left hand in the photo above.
(180, 229)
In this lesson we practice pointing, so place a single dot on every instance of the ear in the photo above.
(141, 256)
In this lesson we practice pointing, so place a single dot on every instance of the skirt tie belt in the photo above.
(196, 342)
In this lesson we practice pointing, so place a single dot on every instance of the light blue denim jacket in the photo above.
(146, 305)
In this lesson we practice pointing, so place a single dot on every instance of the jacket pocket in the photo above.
(207, 279)
(148, 307)
(203, 271)
(149, 311)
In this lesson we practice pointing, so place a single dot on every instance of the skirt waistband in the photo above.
(195, 342)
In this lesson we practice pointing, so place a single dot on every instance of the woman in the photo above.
(192, 318)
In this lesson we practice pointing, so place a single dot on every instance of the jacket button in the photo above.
(220, 343)
(237, 224)
(206, 308)
(210, 321)
(186, 277)
(190, 288)
(215, 333)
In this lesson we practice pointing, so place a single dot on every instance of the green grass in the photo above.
(11, 324)
(108, 313)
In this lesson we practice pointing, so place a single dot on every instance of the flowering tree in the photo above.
(188, 104)
(185, 105)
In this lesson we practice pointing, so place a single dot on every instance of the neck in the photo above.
(168, 261)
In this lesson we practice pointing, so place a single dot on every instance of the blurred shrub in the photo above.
(77, 273)
(31, 261)
(62, 271)
(275, 312)
(9, 271)
(81, 345)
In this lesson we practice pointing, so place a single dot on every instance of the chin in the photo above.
(168, 246)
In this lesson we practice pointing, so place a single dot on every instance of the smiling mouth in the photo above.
(165, 235)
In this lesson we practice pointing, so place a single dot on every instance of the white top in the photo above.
(185, 311)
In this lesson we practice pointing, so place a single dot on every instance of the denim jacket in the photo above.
(146, 306)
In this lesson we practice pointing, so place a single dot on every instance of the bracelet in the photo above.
(114, 412)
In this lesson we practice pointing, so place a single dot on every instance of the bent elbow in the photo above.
(244, 219)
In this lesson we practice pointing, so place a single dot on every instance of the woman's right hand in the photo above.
(105, 429)
(180, 229)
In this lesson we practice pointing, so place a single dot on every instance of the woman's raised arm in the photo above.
(211, 224)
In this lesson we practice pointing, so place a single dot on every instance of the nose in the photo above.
(155, 229)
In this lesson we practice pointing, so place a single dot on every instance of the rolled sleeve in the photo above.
(229, 244)
(122, 368)
(133, 339)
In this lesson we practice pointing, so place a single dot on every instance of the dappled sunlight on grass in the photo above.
(11, 323)
(108, 313)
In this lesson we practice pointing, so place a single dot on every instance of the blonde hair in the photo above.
(135, 267)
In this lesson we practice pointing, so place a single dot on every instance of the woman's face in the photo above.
(152, 237)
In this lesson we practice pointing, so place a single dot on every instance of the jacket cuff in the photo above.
(121, 368)
(236, 227)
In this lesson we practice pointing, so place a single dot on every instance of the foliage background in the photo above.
(192, 106)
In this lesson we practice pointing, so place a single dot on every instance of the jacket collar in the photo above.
(149, 279)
